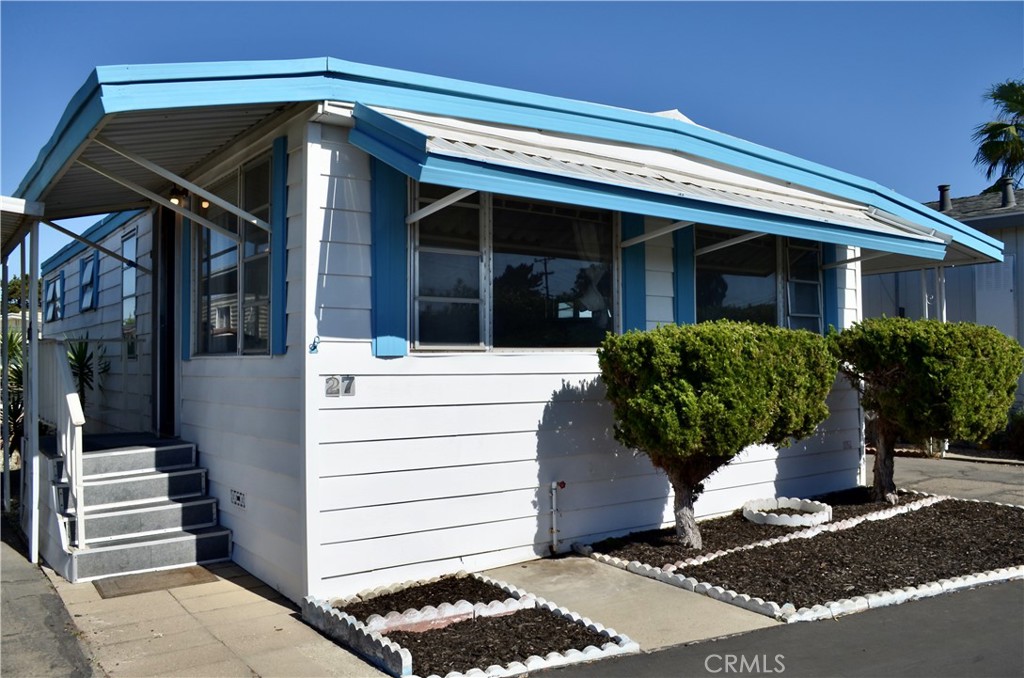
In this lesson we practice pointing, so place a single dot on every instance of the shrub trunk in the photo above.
(884, 484)
(686, 523)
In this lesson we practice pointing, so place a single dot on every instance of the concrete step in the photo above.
(139, 488)
(107, 524)
(138, 459)
(154, 552)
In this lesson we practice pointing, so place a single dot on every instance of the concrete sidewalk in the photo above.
(238, 626)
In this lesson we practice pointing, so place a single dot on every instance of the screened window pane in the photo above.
(552, 284)
(448, 323)
(803, 264)
(803, 298)
(453, 228)
(737, 282)
(809, 324)
(218, 294)
(449, 275)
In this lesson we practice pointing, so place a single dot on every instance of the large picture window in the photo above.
(500, 272)
(234, 277)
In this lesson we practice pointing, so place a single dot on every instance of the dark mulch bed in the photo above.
(948, 539)
(661, 547)
(482, 642)
(444, 590)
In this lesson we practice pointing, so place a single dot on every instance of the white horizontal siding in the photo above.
(121, 398)
(441, 462)
(245, 415)
(659, 278)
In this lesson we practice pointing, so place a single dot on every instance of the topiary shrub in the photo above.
(926, 378)
(692, 397)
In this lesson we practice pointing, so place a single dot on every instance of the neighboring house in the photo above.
(988, 294)
(375, 297)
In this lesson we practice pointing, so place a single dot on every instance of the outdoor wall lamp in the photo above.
(178, 195)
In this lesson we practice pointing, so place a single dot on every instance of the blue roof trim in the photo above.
(97, 232)
(461, 173)
(125, 88)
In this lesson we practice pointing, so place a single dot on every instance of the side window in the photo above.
(129, 250)
(233, 278)
(53, 298)
(88, 282)
(803, 285)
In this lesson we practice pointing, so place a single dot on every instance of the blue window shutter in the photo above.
(390, 283)
(829, 289)
(186, 289)
(88, 282)
(685, 277)
(634, 276)
(279, 249)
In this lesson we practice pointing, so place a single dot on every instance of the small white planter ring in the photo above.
(811, 512)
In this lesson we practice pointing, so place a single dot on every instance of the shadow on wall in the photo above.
(600, 488)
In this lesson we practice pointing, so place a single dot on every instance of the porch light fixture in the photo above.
(178, 195)
(205, 204)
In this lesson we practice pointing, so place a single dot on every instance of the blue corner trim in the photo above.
(830, 289)
(186, 289)
(684, 276)
(279, 248)
(390, 285)
(634, 275)
(95, 233)
(89, 282)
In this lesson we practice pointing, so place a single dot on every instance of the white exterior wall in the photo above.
(440, 462)
(244, 414)
(121, 399)
(660, 281)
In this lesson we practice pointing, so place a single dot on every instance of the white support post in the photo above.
(924, 294)
(31, 378)
(24, 379)
(940, 292)
(6, 391)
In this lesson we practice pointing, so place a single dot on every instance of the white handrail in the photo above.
(60, 407)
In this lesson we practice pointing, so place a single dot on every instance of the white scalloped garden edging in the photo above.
(831, 609)
(369, 642)
(761, 512)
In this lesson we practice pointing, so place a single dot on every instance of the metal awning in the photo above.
(537, 164)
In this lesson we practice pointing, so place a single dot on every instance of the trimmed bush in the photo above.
(929, 379)
(692, 397)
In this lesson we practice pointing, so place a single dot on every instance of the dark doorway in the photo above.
(165, 286)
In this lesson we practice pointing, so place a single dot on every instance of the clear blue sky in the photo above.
(887, 91)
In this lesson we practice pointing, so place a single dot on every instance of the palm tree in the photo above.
(1001, 142)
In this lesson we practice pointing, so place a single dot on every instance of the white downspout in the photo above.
(555, 486)
(32, 421)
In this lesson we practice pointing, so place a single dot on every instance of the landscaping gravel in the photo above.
(445, 590)
(662, 547)
(485, 641)
(947, 539)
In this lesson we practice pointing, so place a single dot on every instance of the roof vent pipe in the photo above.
(945, 204)
(1009, 199)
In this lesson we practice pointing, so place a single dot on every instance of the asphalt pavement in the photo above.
(37, 635)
